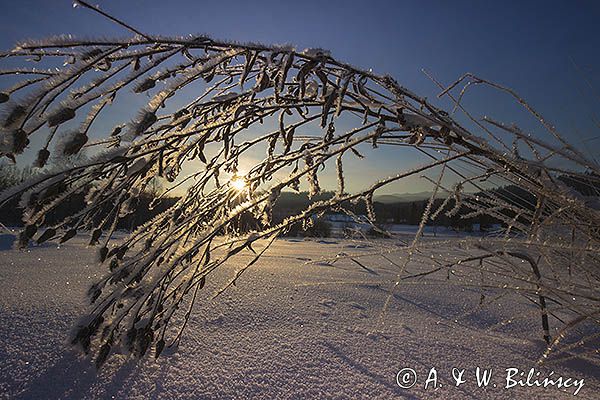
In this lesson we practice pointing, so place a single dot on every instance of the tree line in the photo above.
(290, 203)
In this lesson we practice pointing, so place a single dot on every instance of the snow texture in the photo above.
(292, 328)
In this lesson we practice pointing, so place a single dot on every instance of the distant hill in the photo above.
(293, 199)
(406, 197)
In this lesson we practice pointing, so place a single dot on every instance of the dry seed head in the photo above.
(73, 142)
(17, 112)
(147, 119)
(42, 158)
(64, 114)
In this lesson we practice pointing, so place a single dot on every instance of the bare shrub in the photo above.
(209, 104)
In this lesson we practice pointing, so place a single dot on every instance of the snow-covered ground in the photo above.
(290, 329)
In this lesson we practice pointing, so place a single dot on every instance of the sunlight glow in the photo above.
(238, 183)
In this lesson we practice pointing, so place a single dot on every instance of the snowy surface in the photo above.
(290, 329)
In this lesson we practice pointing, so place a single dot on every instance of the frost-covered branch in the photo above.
(209, 106)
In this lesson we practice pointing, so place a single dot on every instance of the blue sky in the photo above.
(545, 50)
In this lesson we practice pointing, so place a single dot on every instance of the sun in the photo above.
(238, 183)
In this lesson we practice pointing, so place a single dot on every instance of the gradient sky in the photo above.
(545, 50)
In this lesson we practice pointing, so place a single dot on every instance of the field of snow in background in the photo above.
(292, 327)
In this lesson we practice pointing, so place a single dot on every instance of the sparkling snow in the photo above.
(290, 328)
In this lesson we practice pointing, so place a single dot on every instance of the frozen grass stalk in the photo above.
(168, 260)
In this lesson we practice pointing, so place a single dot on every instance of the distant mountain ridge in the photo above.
(406, 197)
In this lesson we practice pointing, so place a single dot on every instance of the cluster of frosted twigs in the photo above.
(208, 105)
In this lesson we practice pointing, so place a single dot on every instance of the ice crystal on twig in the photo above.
(201, 140)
